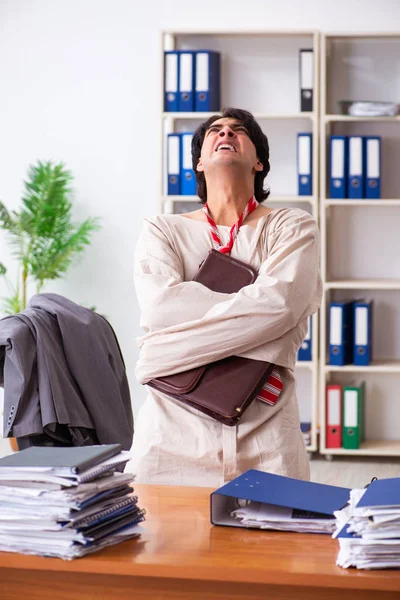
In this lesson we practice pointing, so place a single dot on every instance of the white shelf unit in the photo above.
(360, 250)
(260, 73)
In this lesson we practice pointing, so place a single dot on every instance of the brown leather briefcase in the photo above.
(225, 388)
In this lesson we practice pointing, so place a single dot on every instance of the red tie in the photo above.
(274, 384)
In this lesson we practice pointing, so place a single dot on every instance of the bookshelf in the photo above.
(260, 73)
(360, 250)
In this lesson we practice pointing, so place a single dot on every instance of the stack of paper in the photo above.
(368, 530)
(367, 108)
(270, 516)
(66, 502)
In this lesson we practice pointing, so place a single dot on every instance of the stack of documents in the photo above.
(282, 518)
(268, 501)
(66, 502)
(368, 529)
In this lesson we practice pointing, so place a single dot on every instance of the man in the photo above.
(187, 325)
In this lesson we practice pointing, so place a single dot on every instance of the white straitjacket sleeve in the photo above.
(165, 299)
(280, 297)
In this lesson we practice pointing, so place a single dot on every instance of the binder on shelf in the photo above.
(304, 164)
(355, 181)
(362, 351)
(277, 490)
(208, 94)
(186, 80)
(304, 352)
(333, 416)
(188, 177)
(173, 163)
(305, 428)
(306, 79)
(341, 333)
(373, 167)
(171, 75)
(353, 416)
(338, 166)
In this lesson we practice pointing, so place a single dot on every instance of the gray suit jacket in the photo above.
(60, 363)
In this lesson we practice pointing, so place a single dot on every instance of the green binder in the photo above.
(353, 416)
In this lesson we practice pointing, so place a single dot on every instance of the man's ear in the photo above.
(199, 167)
(258, 166)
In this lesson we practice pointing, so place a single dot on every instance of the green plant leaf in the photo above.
(12, 305)
(3, 270)
(43, 238)
(8, 221)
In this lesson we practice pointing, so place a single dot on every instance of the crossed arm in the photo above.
(219, 325)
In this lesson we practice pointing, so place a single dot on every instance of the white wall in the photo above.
(80, 82)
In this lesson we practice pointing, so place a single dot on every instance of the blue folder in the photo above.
(186, 81)
(362, 352)
(268, 488)
(355, 181)
(208, 88)
(338, 159)
(341, 333)
(373, 167)
(173, 163)
(383, 493)
(188, 176)
(171, 78)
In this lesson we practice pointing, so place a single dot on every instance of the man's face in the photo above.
(227, 142)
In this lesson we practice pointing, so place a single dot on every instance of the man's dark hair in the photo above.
(256, 135)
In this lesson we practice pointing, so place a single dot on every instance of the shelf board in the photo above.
(363, 284)
(376, 366)
(243, 32)
(368, 448)
(311, 448)
(279, 199)
(304, 364)
(332, 118)
(362, 34)
(261, 116)
(351, 202)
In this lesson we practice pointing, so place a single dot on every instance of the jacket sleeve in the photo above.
(165, 299)
(287, 290)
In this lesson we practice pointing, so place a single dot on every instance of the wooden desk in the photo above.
(182, 556)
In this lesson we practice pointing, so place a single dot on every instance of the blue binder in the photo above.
(258, 486)
(373, 167)
(355, 181)
(188, 177)
(341, 315)
(362, 351)
(381, 493)
(171, 77)
(304, 164)
(186, 80)
(208, 92)
(338, 166)
(173, 163)
(304, 352)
